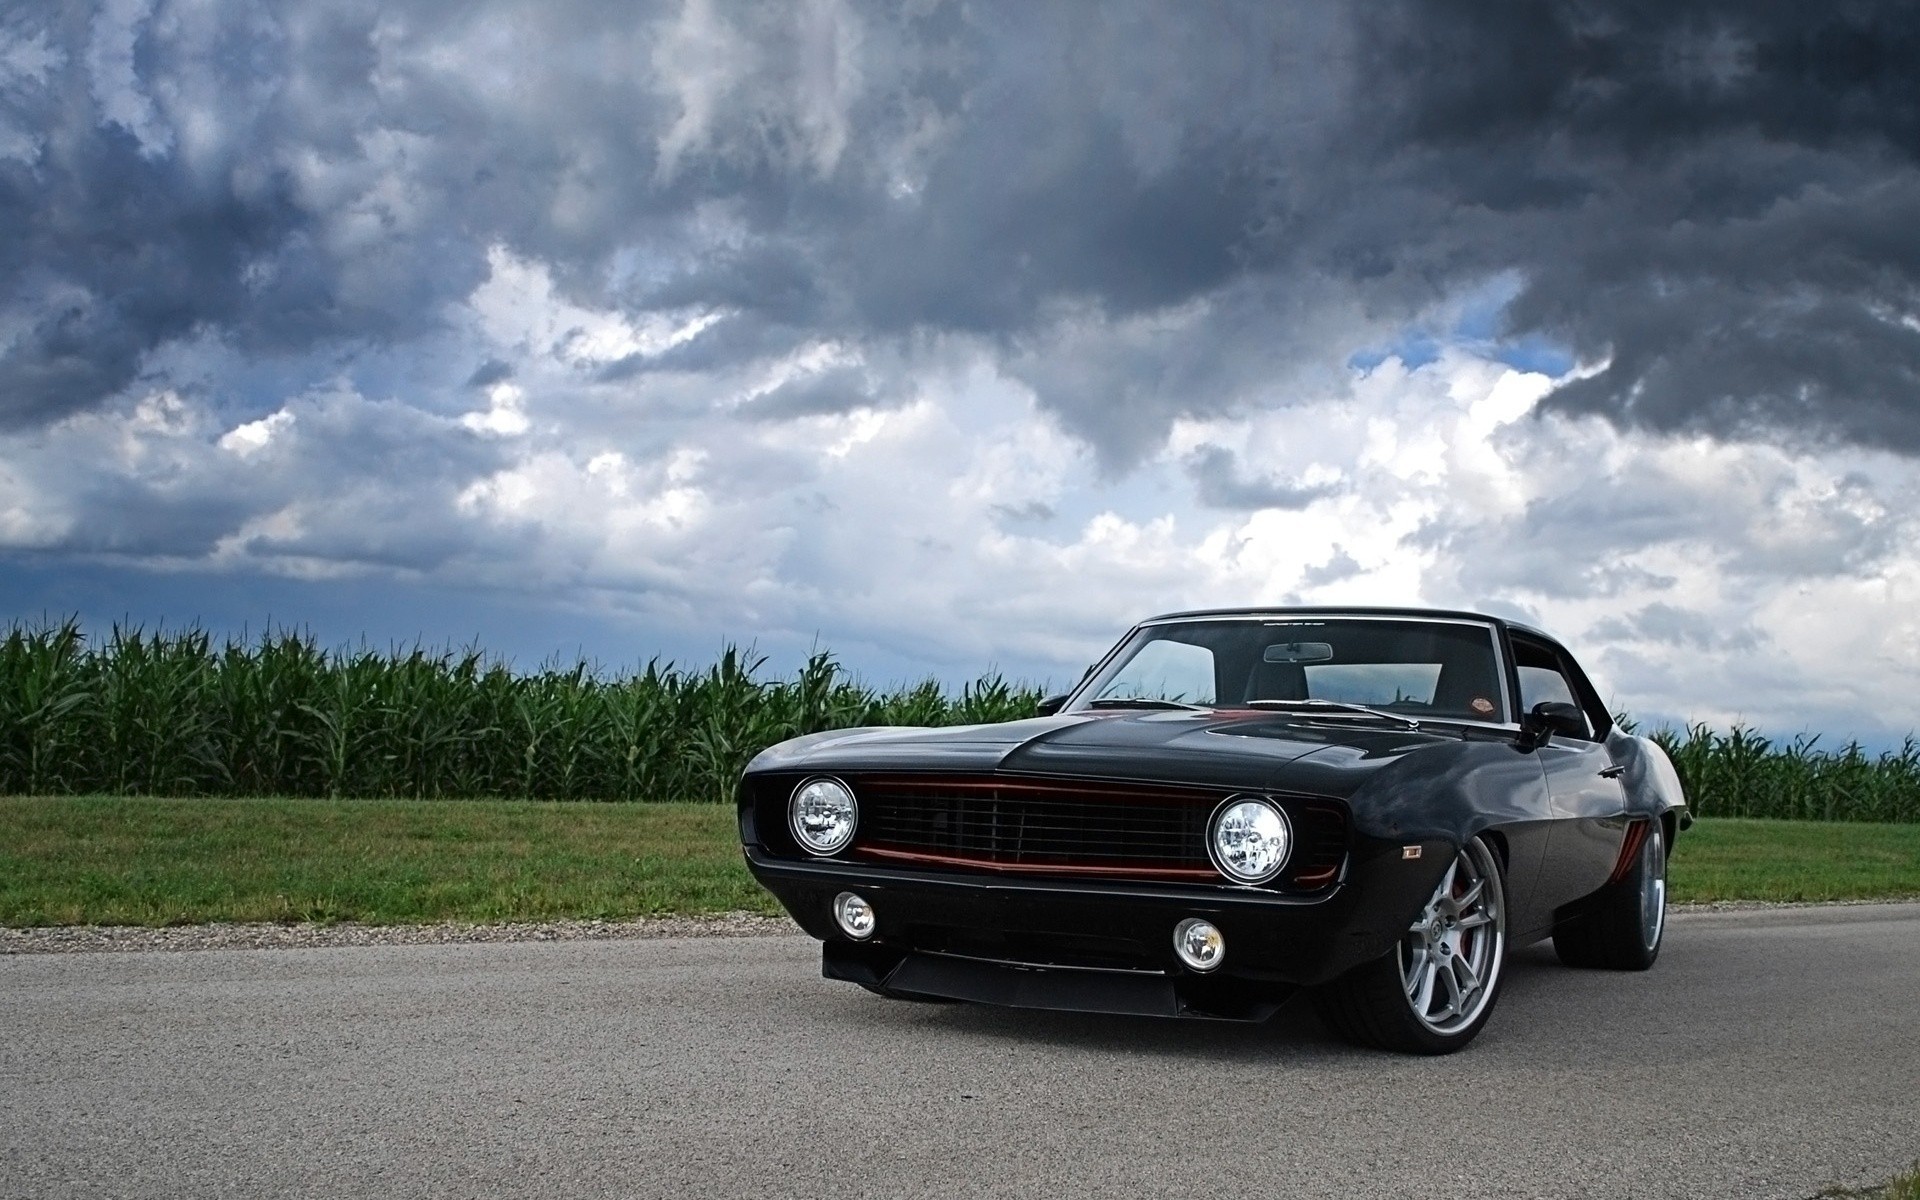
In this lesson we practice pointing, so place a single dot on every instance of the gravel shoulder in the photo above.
(89, 939)
(96, 939)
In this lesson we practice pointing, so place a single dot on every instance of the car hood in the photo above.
(1238, 749)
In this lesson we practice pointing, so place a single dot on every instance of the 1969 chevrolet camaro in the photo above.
(1373, 805)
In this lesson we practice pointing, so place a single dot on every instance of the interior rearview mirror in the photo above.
(1299, 652)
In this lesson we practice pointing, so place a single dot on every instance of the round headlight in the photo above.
(854, 916)
(1250, 839)
(822, 815)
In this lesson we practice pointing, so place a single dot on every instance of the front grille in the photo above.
(1070, 827)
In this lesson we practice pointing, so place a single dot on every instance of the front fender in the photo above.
(1442, 798)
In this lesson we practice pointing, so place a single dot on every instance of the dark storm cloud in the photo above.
(1142, 211)
(1717, 198)
(829, 392)
(1340, 567)
(1221, 481)
(1032, 510)
(333, 459)
(291, 180)
(104, 259)
(1677, 627)
(489, 373)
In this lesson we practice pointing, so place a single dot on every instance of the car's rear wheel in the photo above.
(1622, 932)
(1434, 991)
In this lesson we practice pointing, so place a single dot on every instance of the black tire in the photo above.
(1623, 929)
(1390, 1003)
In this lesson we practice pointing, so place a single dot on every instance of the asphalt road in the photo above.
(1769, 1054)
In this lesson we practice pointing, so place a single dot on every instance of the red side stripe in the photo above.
(1629, 850)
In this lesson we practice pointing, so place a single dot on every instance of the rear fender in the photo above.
(1651, 782)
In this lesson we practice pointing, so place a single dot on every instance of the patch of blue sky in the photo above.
(1415, 348)
(1537, 353)
(1479, 326)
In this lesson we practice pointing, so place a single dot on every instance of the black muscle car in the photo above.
(1370, 804)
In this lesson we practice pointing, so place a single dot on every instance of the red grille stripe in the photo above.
(977, 864)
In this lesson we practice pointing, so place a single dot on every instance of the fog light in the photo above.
(1199, 944)
(854, 915)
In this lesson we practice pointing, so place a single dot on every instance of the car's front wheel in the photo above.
(1434, 992)
(1622, 932)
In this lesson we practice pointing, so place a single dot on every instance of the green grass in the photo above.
(117, 861)
(1904, 1186)
(1734, 859)
(121, 861)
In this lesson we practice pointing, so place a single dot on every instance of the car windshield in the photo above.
(1406, 666)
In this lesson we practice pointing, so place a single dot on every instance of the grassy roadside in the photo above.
(1904, 1186)
(115, 861)
(1738, 859)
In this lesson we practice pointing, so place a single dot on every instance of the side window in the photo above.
(1543, 683)
(1165, 670)
(1542, 679)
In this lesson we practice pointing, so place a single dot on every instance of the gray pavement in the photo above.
(1769, 1054)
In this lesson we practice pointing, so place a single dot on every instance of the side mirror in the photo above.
(1050, 705)
(1554, 716)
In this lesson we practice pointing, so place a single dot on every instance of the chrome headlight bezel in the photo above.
(799, 810)
(1228, 819)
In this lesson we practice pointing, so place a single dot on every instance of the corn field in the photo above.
(174, 714)
(1741, 774)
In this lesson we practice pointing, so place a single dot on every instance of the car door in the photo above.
(1583, 782)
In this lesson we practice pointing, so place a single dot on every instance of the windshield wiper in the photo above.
(1333, 706)
(1144, 702)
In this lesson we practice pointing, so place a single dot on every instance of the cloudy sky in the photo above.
(960, 335)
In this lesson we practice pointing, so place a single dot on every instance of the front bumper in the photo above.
(1097, 946)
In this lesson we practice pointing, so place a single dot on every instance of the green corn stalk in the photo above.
(168, 713)
(47, 711)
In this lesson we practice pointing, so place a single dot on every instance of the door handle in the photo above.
(1613, 772)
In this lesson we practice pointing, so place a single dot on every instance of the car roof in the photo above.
(1358, 610)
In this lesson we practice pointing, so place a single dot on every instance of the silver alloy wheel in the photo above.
(1653, 887)
(1450, 959)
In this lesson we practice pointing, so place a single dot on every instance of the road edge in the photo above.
(107, 939)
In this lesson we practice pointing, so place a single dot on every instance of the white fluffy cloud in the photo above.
(949, 519)
(962, 334)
